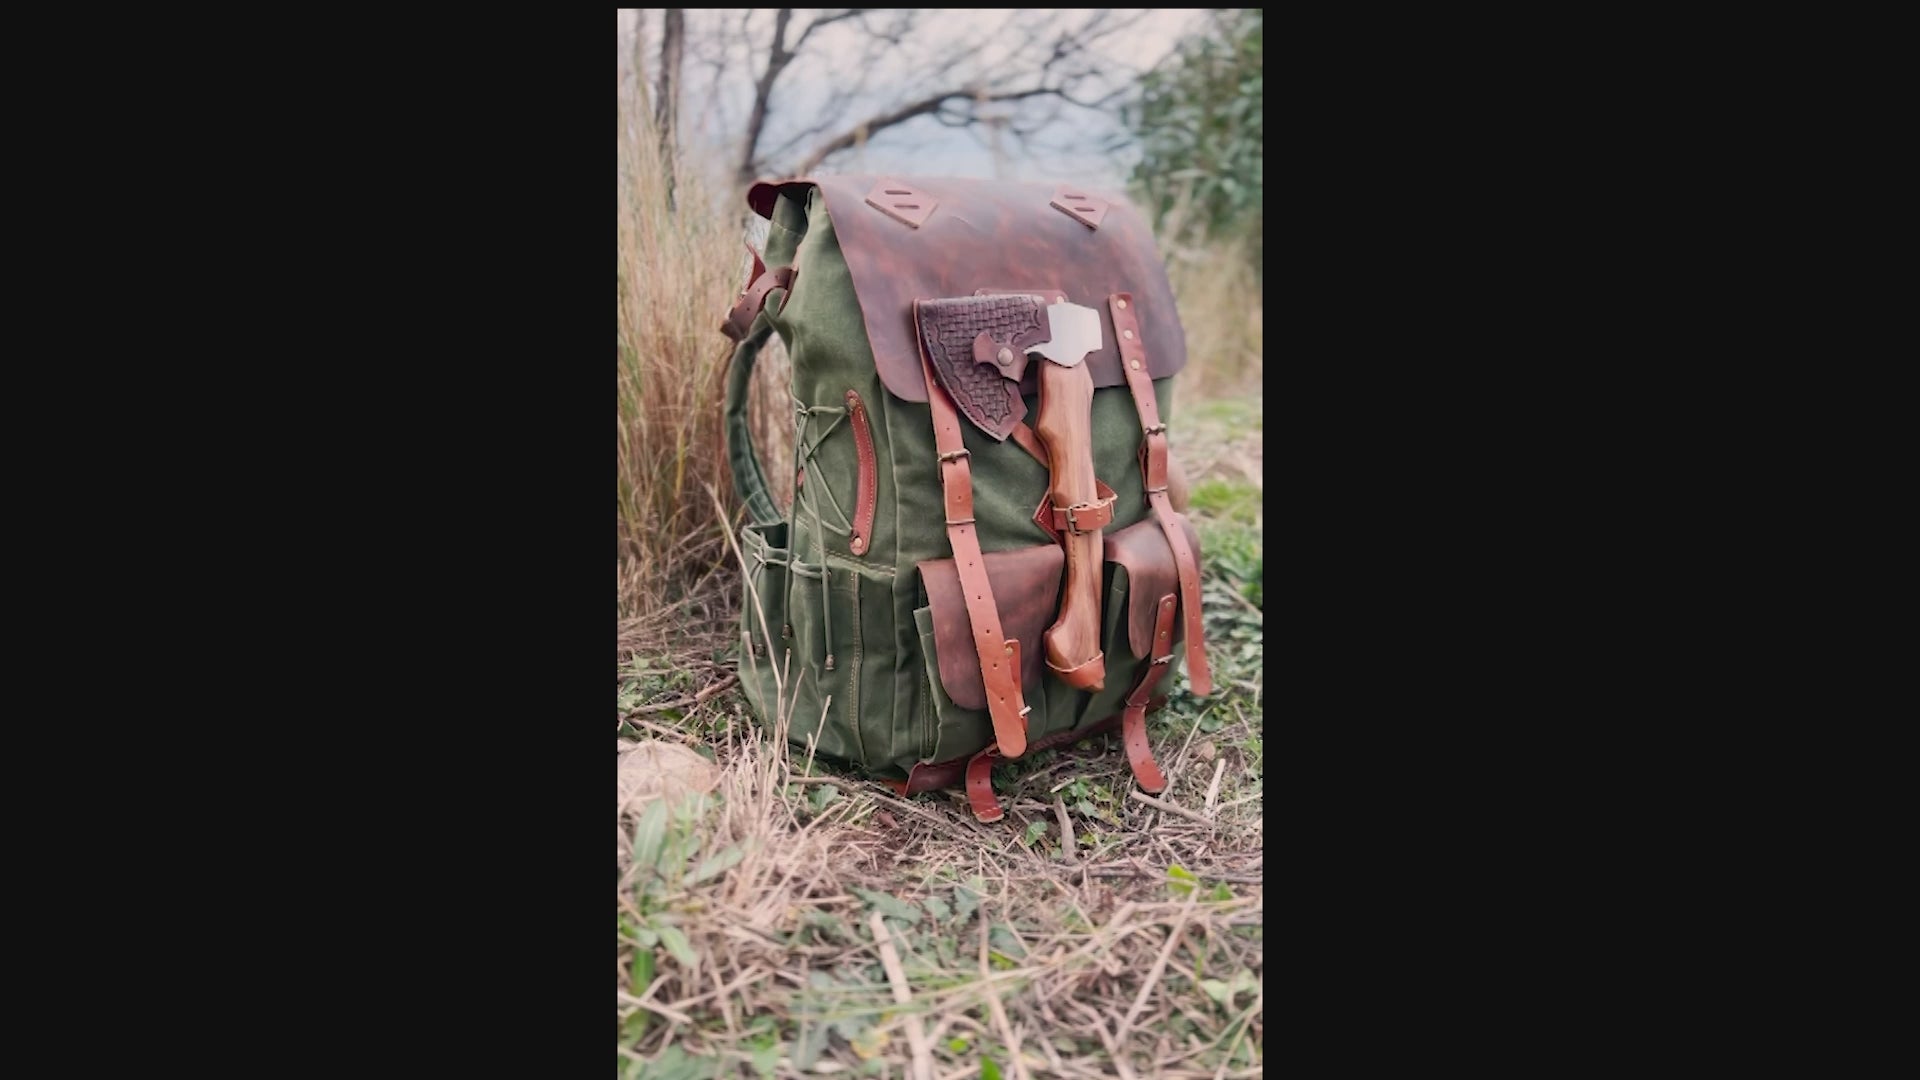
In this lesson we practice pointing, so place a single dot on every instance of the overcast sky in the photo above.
(921, 146)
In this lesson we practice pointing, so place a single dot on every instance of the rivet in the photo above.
(859, 545)
(1009, 648)
(1136, 365)
(1128, 334)
(1121, 304)
(1005, 357)
(829, 662)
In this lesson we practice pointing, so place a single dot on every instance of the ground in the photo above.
(778, 920)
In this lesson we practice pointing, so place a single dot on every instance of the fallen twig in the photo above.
(685, 703)
(1157, 804)
(897, 978)
(1066, 831)
(1213, 789)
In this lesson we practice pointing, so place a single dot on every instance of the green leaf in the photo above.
(958, 1045)
(890, 905)
(822, 795)
(676, 943)
(1001, 939)
(650, 834)
(808, 1045)
(1179, 881)
(988, 1070)
(717, 864)
(966, 898)
(1216, 990)
(1035, 831)
(646, 937)
(938, 908)
(766, 1059)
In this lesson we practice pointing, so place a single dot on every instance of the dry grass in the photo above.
(1219, 297)
(679, 269)
(747, 942)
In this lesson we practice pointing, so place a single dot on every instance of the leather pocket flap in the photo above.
(1143, 549)
(1026, 589)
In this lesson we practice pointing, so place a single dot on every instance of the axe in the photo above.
(979, 348)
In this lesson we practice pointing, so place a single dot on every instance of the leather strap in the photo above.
(1133, 723)
(740, 319)
(999, 656)
(1153, 466)
(986, 808)
(1085, 517)
(865, 492)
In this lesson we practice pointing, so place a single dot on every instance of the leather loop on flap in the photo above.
(1027, 582)
(980, 798)
(866, 489)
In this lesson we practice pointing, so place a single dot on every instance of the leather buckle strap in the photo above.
(1133, 722)
(1083, 517)
(1153, 467)
(753, 298)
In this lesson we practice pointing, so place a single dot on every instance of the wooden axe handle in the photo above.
(1065, 427)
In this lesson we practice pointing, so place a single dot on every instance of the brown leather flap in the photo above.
(985, 234)
(1026, 588)
(1143, 549)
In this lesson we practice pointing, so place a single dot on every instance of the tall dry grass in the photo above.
(1218, 291)
(680, 266)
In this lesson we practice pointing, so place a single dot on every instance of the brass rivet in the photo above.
(1136, 365)
(1005, 357)
(1121, 304)
(859, 545)
(1128, 334)
(1009, 648)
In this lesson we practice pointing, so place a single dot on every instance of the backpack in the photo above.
(942, 596)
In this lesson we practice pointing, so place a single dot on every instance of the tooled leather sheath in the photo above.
(987, 394)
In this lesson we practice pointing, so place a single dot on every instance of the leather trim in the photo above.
(995, 233)
(1151, 573)
(1124, 310)
(1029, 578)
(937, 775)
(865, 495)
(980, 798)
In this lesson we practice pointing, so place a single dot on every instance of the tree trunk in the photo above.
(666, 103)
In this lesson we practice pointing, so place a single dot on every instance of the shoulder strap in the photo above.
(1153, 467)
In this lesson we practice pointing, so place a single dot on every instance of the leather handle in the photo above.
(1065, 428)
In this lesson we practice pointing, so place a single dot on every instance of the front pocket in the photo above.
(1026, 592)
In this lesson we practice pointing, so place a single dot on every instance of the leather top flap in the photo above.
(1026, 586)
(929, 238)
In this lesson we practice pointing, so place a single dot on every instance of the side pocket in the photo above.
(1142, 570)
(764, 630)
(824, 609)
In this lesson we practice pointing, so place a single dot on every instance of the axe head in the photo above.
(978, 347)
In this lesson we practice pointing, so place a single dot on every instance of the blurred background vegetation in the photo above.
(1161, 105)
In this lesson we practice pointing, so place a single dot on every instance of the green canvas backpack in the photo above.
(984, 554)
